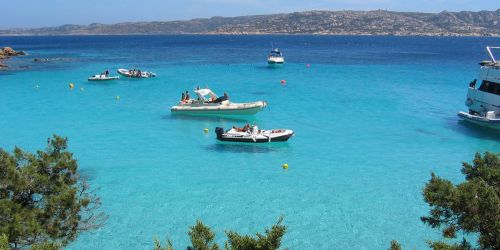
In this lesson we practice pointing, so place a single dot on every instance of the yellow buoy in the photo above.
(206, 130)
(71, 85)
(285, 166)
(117, 97)
(81, 89)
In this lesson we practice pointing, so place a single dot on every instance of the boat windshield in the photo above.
(490, 87)
(275, 52)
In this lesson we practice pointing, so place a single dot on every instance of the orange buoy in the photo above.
(283, 82)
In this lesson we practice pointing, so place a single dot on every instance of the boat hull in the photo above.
(127, 73)
(257, 140)
(275, 62)
(480, 120)
(278, 135)
(238, 109)
(103, 79)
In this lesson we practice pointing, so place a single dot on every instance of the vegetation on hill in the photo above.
(377, 22)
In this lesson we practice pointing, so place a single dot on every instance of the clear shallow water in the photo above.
(373, 117)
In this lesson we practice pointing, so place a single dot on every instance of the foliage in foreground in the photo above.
(395, 246)
(202, 238)
(469, 207)
(44, 203)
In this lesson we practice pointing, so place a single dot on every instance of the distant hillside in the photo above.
(378, 22)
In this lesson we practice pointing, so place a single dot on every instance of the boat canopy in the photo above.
(275, 52)
(204, 93)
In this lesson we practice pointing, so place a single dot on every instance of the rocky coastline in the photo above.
(321, 22)
(8, 52)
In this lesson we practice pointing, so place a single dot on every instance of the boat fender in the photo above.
(469, 102)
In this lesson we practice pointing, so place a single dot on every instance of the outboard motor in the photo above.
(219, 131)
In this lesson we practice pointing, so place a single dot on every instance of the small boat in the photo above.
(103, 77)
(275, 57)
(208, 103)
(484, 102)
(490, 120)
(136, 73)
(253, 134)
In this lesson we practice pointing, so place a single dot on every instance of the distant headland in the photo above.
(376, 22)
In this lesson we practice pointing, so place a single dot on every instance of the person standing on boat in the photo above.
(106, 73)
(473, 84)
(187, 95)
(246, 128)
(183, 97)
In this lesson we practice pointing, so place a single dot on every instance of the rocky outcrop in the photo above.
(6, 53)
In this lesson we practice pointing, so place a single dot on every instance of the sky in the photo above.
(44, 13)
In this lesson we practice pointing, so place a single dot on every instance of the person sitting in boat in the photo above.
(246, 128)
(473, 84)
(225, 97)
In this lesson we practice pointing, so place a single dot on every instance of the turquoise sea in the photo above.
(373, 117)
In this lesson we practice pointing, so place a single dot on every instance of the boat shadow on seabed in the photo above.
(474, 130)
(241, 147)
(242, 119)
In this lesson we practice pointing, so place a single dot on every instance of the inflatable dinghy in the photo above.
(253, 135)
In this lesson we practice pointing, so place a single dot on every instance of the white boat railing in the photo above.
(488, 48)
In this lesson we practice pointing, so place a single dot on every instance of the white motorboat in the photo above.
(208, 103)
(275, 57)
(103, 77)
(253, 134)
(490, 120)
(484, 102)
(136, 73)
